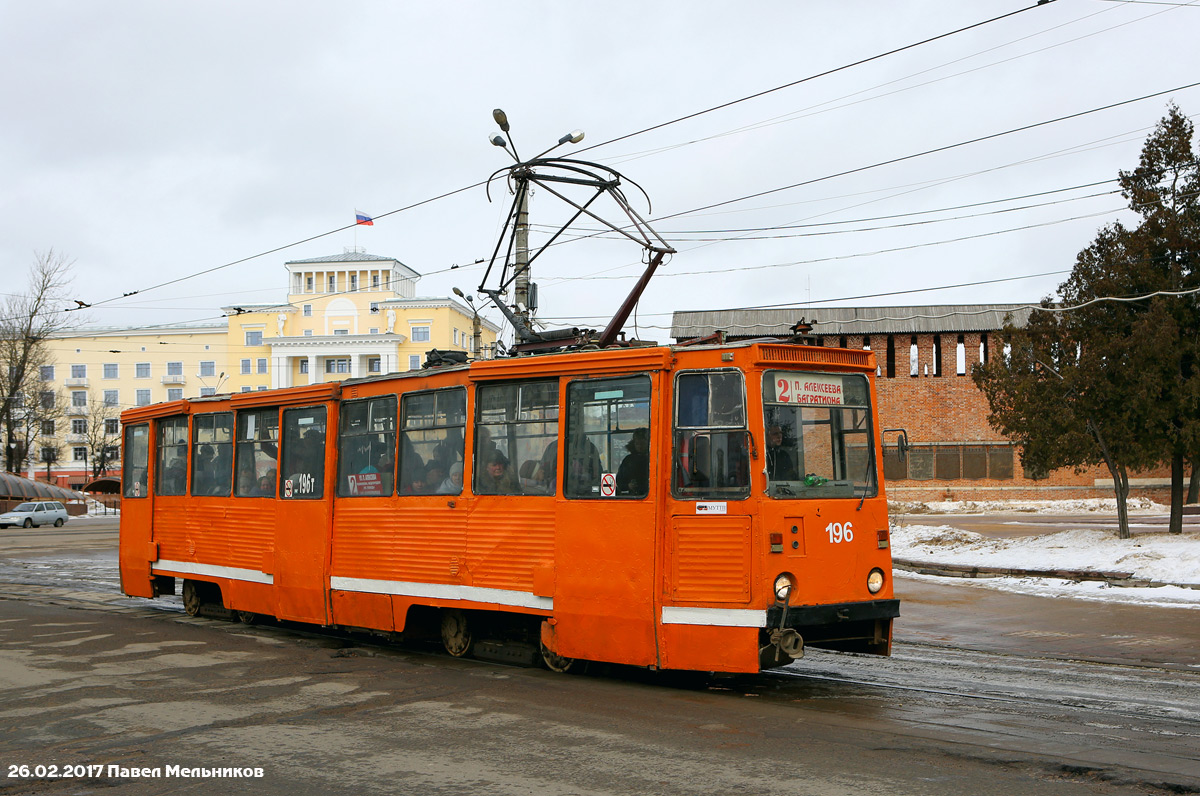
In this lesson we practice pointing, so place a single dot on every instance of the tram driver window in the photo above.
(608, 440)
(303, 458)
(516, 438)
(710, 452)
(431, 442)
(819, 441)
(257, 453)
(367, 447)
(171, 466)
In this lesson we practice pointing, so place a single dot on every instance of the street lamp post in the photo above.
(476, 324)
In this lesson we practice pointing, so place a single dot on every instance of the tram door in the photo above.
(605, 534)
(302, 529)
(707, 548)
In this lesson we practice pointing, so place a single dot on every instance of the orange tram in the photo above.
(708, 507)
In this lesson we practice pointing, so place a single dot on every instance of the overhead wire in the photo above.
(626, 136)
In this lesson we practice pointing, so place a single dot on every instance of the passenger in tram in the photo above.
(435, 474)
(583, 469)
(780, 464)
(496, 478)
(452, 485)
(633, 476)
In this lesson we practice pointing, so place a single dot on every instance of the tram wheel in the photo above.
(248, 617)
(456, 632)
(191, 598)
(555, 662)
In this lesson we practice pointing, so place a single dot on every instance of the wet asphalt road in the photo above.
(986, 693)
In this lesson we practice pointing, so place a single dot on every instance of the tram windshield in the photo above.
(819, 440)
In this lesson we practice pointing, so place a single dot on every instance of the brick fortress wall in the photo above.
(946, 419)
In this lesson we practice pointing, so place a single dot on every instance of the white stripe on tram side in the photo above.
(442, 591)
(212, 570)
(717, 617)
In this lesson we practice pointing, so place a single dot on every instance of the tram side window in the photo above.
(136, 461)
(303, 457)
(171, 467)
(212, 454)
(257, 450)
(431, 441)
(710, 454)
(367, 447)
(608, 439)
(516, 438)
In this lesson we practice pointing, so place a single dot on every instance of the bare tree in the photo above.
(103, 436)
(26, 320)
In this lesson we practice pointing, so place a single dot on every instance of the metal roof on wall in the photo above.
(17, 488)
(936, 319)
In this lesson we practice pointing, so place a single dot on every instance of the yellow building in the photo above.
(346, 316)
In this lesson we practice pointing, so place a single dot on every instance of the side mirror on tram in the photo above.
(901, 442)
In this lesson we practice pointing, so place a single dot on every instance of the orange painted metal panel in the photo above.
(709, 559)
(710, 649)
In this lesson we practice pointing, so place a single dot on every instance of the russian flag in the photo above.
(362, 218)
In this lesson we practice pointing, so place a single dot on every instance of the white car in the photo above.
(28, 515)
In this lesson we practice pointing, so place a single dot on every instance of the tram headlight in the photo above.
(785, 585)
(875, 581)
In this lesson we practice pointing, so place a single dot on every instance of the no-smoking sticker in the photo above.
(608, 485)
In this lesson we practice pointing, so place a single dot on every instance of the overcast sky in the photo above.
(150, 141)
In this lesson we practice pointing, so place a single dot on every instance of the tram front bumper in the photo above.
(851, 627)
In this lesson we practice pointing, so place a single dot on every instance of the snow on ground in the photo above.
(1149, 556)
(1106, 505)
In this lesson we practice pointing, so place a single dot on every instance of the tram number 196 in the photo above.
(840, 533)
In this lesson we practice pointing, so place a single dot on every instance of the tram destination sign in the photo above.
(810, 388)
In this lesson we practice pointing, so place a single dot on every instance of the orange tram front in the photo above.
(711, 508)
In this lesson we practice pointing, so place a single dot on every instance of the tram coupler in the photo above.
(784, 646)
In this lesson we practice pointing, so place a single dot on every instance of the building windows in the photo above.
(341, 331)
(456, 336)
(46, 399)
(141, 370)
(247, 389)
(208, 368)
(353, 282)
(79, 399)
(47, 428)
(143, 398)
(208, 391)
(373, 365)
(111, 370)
(307, 310)
(79, 454)
(960, 357)
(337, 366)
(112, 426)
(110, 397)
(951, 462)
(304, 366)
(420, 334)
(374, 330)
(332, 283)
(79, 371)
(175, 394)
(262, 365)
(414, 362)
(308, 332)
(47, 372)
(174, 368)
(245, 367)
(79, 425)
(308, 284)
(254, 337)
